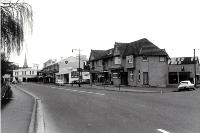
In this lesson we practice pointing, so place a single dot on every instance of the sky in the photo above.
(62, 25)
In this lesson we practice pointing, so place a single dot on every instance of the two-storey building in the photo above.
(49, 71)
(137, 63)
(25, 74)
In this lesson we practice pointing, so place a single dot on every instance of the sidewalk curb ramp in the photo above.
(37, 124)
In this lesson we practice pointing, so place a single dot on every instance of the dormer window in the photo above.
(116, 50)
(117, 60)
(110, 52)
(130, 59)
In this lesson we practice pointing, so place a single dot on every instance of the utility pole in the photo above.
(79, 58)
(194, 70)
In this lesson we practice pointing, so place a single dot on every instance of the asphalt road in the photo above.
(77, 110)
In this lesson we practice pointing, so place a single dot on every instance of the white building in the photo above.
(68, 70)
(25, 74)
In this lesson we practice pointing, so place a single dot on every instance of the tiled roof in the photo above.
(144, 47)
(183, 60)
(137, 48)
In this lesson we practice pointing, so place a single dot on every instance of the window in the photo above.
(162, 59)
(33, 72)
(30, 72)
(130, 59)
(22, 72)
(25, 72)
(144, 58)
(117, 60)
(131, 76)
(116, 50)
(99, 62)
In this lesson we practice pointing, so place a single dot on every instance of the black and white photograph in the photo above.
(100, 66)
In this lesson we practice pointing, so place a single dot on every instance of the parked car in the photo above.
(185, 85)
(59, 82)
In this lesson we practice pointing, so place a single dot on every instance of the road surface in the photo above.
(78, 110)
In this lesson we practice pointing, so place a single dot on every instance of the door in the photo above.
(124, 78)
(145, 78)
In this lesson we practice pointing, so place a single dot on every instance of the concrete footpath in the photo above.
(20, 113)
(16, 113)
(128, 88)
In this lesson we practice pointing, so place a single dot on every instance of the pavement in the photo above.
(125, 88)
(16, 112)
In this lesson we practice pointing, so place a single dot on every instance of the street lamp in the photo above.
(78, 66)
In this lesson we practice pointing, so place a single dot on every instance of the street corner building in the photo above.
(139, 63)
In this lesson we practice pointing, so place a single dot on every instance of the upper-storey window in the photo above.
(117, 60)
(99, 63)
(130, 59)
(116, 50)
(144, 58)
(162, 59)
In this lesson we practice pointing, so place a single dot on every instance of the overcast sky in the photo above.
(63, 25)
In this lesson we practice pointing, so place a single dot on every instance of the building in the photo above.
(183, 68)
(25, 75)
(68, 70)
(139, 63)
(49, 71)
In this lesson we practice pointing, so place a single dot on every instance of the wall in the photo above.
(157, 72)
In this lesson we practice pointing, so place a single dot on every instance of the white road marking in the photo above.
(89, 92)
(53, 87)
(163, 131)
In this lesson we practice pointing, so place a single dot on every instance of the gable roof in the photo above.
(144, 47)
(183, 60)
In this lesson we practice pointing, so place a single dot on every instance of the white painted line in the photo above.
(100, 94)
(89, 92)
(53, 87)
(67, 89)
(163, 131)
(82, 91)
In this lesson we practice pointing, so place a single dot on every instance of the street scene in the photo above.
(99, 67)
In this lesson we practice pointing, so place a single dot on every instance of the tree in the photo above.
(15, 18)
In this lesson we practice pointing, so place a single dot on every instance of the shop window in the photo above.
(173, 78)
(74, 74)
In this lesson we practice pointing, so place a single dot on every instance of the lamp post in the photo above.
(78, 66)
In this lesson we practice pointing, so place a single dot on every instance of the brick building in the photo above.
(139, 63)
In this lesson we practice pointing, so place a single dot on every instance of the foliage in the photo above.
(15, 18)
(6, 66)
